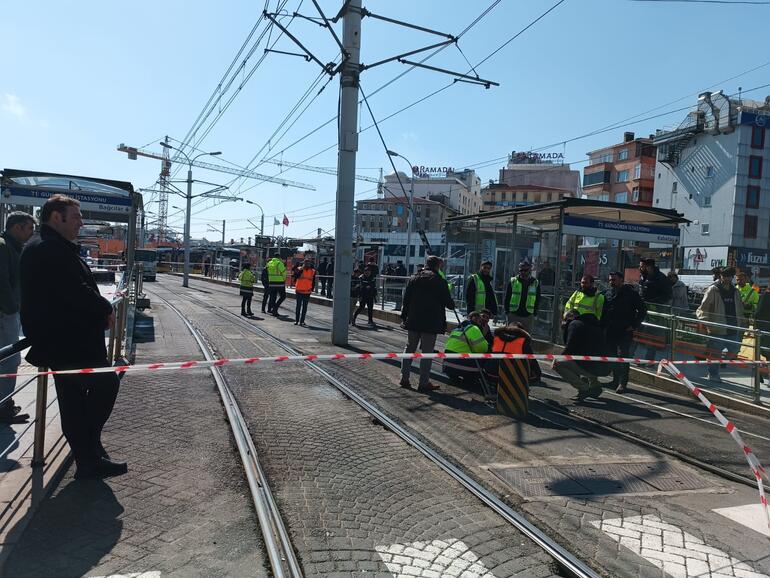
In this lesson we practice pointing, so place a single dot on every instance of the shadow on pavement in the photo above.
(71, 532)
(144, 328)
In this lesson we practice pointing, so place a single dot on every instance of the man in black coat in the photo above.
(583, 335)
(426, 299)
(656, 293)
(65, 317)
(623, 313)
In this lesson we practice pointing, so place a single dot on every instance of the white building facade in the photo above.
(460, 190)
(715, 169)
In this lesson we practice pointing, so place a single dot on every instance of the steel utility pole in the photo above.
(186, 270)
(223, 232)
(346, 170)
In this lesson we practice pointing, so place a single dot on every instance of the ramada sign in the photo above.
(534, 158)
(423, 171)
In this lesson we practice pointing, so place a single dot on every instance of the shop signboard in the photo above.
(620, 230)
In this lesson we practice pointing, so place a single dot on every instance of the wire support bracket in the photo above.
(328, 68)
(460, 77)
(365, 12)
(305, 56)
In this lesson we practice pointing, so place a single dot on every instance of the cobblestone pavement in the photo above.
(183, 509)
(456, 422)
(356, 499)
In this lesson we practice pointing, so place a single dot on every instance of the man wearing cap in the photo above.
(479, 293)
(522, 297)
(624, 312)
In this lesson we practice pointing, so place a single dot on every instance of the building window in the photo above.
(622, 177)
(524, 197)
(706, 200)
(750, 227)
(623, 154)
(752, 197)
(638, 171)
(674, 187)
(550, 196)
(755, 167)
(757, 137)
(604, 197)
(709, 172)
(590, 179)
(621, 197)
(505, 196)
(635, 194)
(704, 228)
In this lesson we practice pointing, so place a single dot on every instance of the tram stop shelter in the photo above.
(100, 199)
(563, 240)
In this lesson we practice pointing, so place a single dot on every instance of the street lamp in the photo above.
(262, 218)
(410, 217)
(186, 271)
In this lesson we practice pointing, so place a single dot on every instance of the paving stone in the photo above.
(183, 508)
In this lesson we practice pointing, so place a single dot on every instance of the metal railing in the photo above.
(119, 341)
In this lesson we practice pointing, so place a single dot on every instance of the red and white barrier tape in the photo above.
(148, 367)
(756, 467)
(671, 366)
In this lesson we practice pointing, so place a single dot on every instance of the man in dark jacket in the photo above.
(65, 323)
(18, 229)
(480, 293)
(656, 293)
(322, 268)
(583, 335)
(426, 299)
(624, 312)
(264, 278)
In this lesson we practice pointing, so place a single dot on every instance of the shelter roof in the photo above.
(546, 216)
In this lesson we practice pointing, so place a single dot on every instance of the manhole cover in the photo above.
(599, 479)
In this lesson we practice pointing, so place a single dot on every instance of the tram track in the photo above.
(578, 416)
(280, 551)
(569, 564)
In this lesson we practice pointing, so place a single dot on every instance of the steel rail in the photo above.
(568, 561)
(280, 551)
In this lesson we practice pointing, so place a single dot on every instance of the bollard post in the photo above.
(384, 291)
(111, 346)
(38, 449)
(757, 368)
(119, 329)
(673, 336)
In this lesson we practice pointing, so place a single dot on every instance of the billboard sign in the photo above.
(704, 258)
(534, 158)
(620, 230)
(431, 171)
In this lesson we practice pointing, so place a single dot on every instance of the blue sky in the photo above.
(80, 77)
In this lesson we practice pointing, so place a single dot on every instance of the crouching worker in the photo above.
(583, 335)
(465, 338)
(511, 375)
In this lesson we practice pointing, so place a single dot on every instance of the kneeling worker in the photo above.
(465, 338)
(583, 335)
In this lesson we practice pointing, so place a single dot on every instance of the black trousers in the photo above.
(323, 285)
(301, 309)
(265, 297)
(367, 302)
(85, 405)
(277, 296)
(620, 345)
(329, 287)
(246, 297)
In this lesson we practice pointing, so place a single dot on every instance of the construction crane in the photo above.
(313, 169)
(133, 153)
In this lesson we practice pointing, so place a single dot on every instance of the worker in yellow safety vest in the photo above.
(276, 276)
(749, 296)
(522, 297)
(479, 293)
(246, 281)
(586, 299)
(465, 338)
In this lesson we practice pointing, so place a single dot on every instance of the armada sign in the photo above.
(427, 171)
(523, 158)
